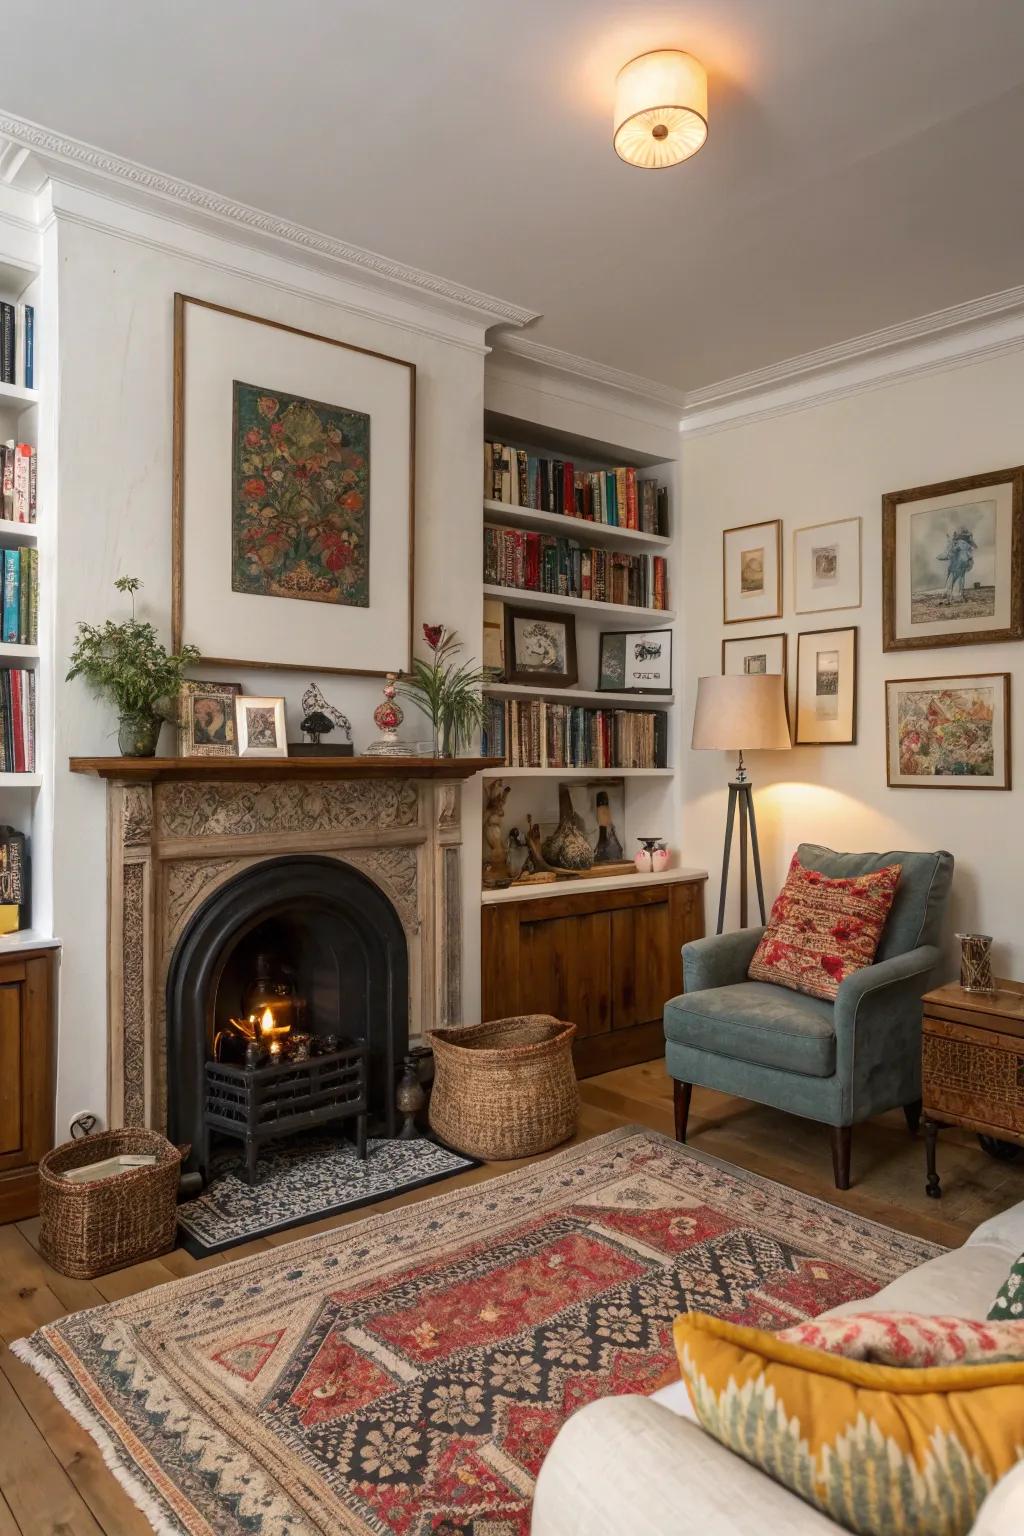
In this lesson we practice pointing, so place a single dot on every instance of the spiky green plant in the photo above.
(447, 693)
(129, 663)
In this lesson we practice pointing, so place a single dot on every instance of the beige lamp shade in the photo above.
(741, 714)
(661, 109)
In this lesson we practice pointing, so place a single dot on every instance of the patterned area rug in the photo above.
(310, 1177)
(407, 1373)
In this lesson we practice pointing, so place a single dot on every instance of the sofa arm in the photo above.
(628, 1465)
(721, 961)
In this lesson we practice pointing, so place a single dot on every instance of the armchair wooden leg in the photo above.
(681, 1099)
(842, 1138)
(913, 1114)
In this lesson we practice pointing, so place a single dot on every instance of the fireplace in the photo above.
(303, 943)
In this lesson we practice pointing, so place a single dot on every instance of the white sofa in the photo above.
(642, 1466)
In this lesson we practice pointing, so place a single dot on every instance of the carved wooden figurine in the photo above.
(496, 870)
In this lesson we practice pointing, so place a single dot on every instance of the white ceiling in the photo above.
(865, 163)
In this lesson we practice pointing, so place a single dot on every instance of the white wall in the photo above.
(116, 329)
(836, 460)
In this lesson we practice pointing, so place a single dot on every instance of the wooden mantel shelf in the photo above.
(164, 770)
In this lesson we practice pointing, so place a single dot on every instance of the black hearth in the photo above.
(339, 943)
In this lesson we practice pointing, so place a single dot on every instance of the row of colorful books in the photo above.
(18, 345)
(532, 733)
(17, 720)
(18, 482)
(15, 910)
(617, 497)
(538, 562)
(21, 596)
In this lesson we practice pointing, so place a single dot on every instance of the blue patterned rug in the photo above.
(305, 1179)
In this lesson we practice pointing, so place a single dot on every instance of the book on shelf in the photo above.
(562, 567)
(14, 880)
(17, 345)
(617, 497)
(533, 733)
(18, 482)
(17, 720)
(20, 596)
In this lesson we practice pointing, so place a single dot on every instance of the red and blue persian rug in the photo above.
(407, 1374)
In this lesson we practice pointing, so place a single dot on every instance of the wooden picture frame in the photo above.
(299, 619)
(540, 633)
(990, 557)
(828, 566)
(214, 733)
(734, 647)
(816, 725)
(752, 572)
(622, 655)
(932, 689)
(261, 726)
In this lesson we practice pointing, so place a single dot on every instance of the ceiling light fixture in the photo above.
(661, 109)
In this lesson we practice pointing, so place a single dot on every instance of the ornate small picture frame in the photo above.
(752, 572)
(540, 646)
(261, 729)
(206, 719)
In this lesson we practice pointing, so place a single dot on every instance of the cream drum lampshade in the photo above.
(661, 109)
(741, 714)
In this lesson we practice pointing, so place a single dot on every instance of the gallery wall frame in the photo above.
(900, 775)
(813, 728)
(752, 572)
(827, 566)
(739, 651)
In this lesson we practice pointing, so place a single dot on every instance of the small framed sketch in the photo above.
(754, 654)
(953, 562)
(635, 661)
(540, 647)
(948, 732)
(260, 727)
(752, 573)
(826, 566)
(206, 719)
(826, 687)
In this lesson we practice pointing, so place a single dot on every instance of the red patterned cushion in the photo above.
(909, 1339)
(822, 929)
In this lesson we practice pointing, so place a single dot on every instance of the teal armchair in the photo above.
(839, 1062)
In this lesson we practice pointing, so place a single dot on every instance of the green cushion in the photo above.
(917, 910)
(1008, 1306)
(754, 1021)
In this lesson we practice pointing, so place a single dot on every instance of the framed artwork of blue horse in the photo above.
(953, 562)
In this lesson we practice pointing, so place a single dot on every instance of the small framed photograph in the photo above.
(752, 573)
(826, 688)
(953, 562)
(540, 647)
(754, 654)
(635, 661)
(827, 566)
(206, 719)
(948, 732)
(261, 730)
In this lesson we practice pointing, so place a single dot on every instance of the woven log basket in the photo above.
(88, 1229)
(504, 1089)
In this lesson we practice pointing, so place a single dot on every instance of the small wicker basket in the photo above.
(88, 1229)
(504, 1089)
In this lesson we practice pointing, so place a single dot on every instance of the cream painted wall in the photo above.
(836, 460)
(116, 326)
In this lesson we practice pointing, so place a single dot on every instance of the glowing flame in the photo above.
(267, 1022)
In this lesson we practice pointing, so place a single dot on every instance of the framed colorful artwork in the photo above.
(540, 647)
(826, 688)
(953, 562)
(948, 732)
(752, 573)
(635, 661)
(261, 730)
(292, 505)
(206, 719)
(827, 566)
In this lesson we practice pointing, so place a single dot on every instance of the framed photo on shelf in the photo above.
(826, 688)
(753, 654)
(292, 501)
(635, 661)
(948, 732)
(261, 731)
(752, 572)
(540, 647)
(827, 566)
(206, 719)
(953, 562)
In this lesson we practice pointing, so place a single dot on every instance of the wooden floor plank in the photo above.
(8, 1524)
(41, 1496)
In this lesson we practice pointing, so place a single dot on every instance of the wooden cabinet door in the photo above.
(11, 1106)
(644, 966)
(565, 969)
(26, 1080)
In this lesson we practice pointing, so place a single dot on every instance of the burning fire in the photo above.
(265, 1028)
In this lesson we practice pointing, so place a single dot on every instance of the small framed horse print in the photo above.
(953, 562)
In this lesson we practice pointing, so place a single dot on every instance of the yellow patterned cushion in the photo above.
(882, 1450)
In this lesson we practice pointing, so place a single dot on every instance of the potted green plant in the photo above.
(129, 664)
(446, 691)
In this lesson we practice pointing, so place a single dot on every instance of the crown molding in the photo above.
(86, 165)
(602, 374)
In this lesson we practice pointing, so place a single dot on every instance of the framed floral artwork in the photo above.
(953, 562)
(752, 573)
(261, 728)
(948, 732)
(827, 566)
(826, 688)
(540, 647)
(206, 719)
(292, 507)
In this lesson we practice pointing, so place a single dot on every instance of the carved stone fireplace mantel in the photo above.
(180, 828)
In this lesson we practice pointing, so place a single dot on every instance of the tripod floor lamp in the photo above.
(738, 714)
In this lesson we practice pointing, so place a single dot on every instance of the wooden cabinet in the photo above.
(606, 960)
(26, 1077)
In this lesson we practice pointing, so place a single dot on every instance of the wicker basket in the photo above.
(89, 1229)
(504, 1089)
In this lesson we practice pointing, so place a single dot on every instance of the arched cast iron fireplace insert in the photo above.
(338, 935)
